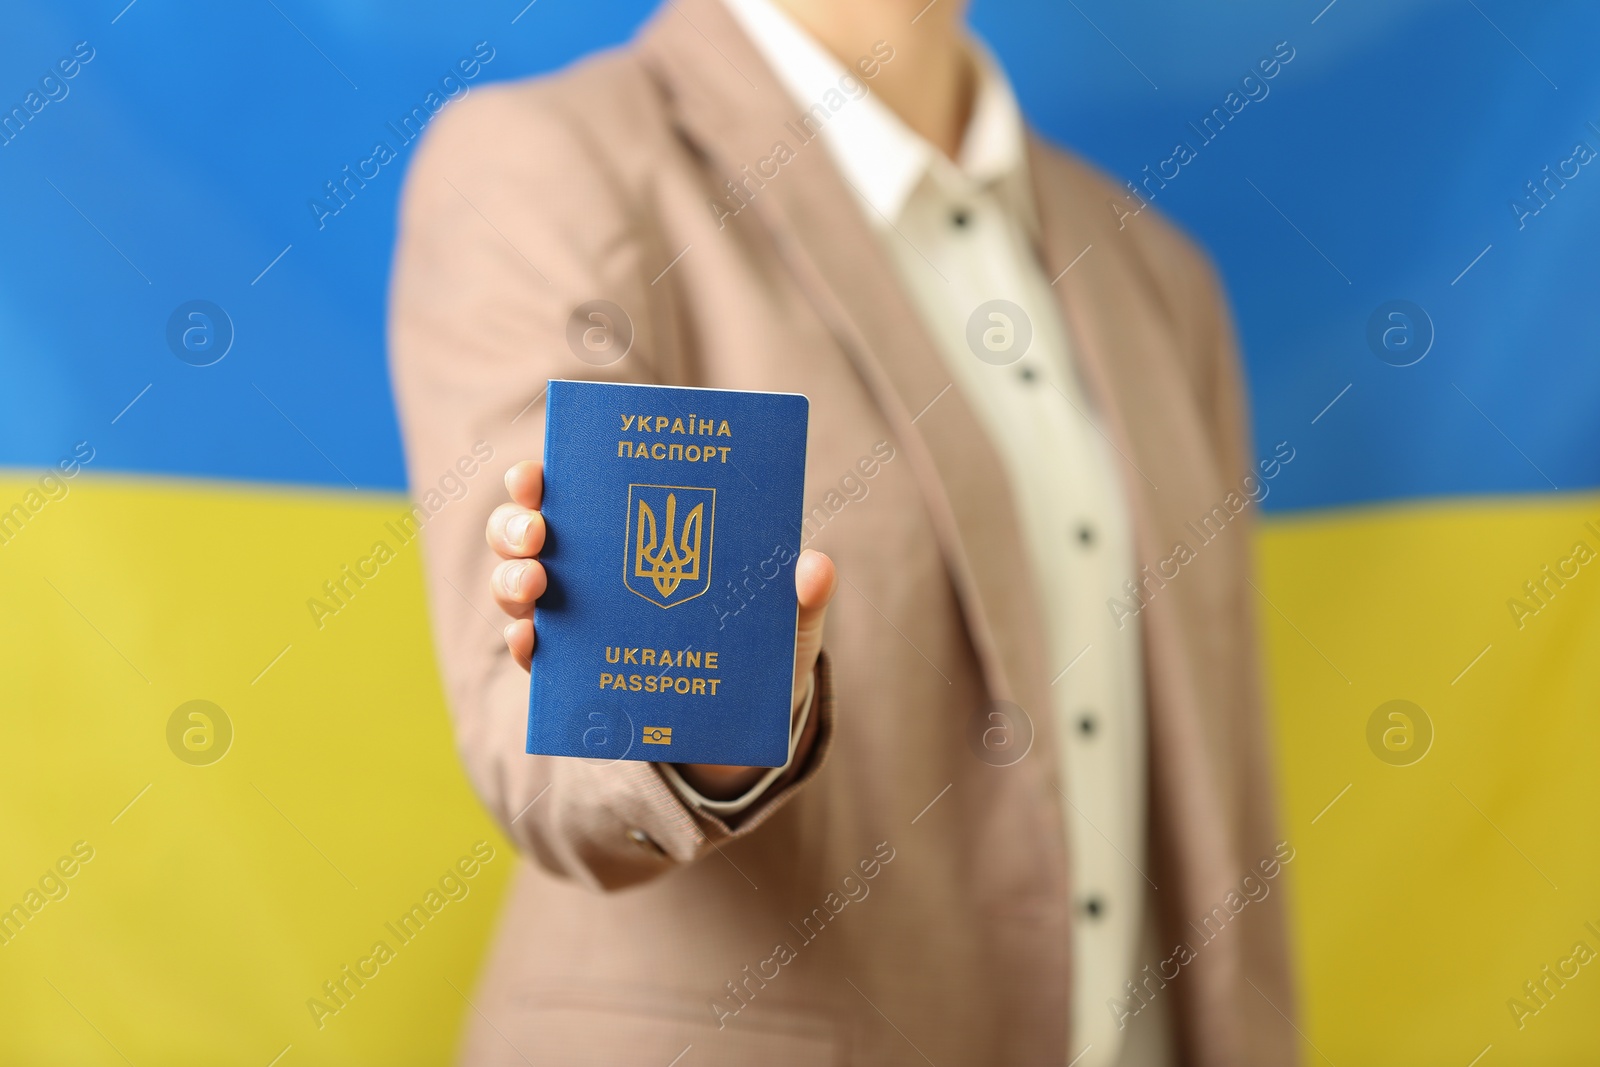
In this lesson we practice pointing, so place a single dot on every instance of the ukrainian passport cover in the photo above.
(672, 522)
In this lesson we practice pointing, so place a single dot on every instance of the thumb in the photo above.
(815, 581)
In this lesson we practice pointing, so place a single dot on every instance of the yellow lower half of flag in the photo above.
(222, 896)
(1427, 894)
(219, 902)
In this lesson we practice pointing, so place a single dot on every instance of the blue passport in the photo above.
(673, 524)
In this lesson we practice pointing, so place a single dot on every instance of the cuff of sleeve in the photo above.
(755, 792)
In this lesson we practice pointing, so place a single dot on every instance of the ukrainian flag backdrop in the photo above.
(196, 433)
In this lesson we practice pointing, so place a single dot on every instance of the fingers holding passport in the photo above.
(519, 639)
(516, 533)
(525, 483)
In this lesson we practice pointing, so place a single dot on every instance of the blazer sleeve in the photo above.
(510, 219)
(1258, 832)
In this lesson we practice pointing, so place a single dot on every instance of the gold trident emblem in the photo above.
(667, 560)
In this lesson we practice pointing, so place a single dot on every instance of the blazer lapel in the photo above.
(732, 107)
(1097, 296)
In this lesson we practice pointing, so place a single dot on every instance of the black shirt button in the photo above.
(1085, 534)
(959, 218)
(1087, 724)
(1094, 907)
(1027, 373)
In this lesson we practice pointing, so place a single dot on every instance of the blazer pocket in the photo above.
(568, 1028)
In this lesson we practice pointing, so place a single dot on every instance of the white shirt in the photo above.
(959, 234)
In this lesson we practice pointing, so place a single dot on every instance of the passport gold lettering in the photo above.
(666, 659)
(693, 426)
(683, 685)
(676, 424)
(660, 450)
(649, 657)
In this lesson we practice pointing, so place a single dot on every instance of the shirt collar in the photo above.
(877, 153)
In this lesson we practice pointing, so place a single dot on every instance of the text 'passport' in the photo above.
(672, 528)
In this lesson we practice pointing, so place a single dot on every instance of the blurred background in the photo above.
(197, 433)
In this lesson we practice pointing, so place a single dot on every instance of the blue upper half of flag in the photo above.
(164, 161)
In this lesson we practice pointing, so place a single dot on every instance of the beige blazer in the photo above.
(842, 920)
